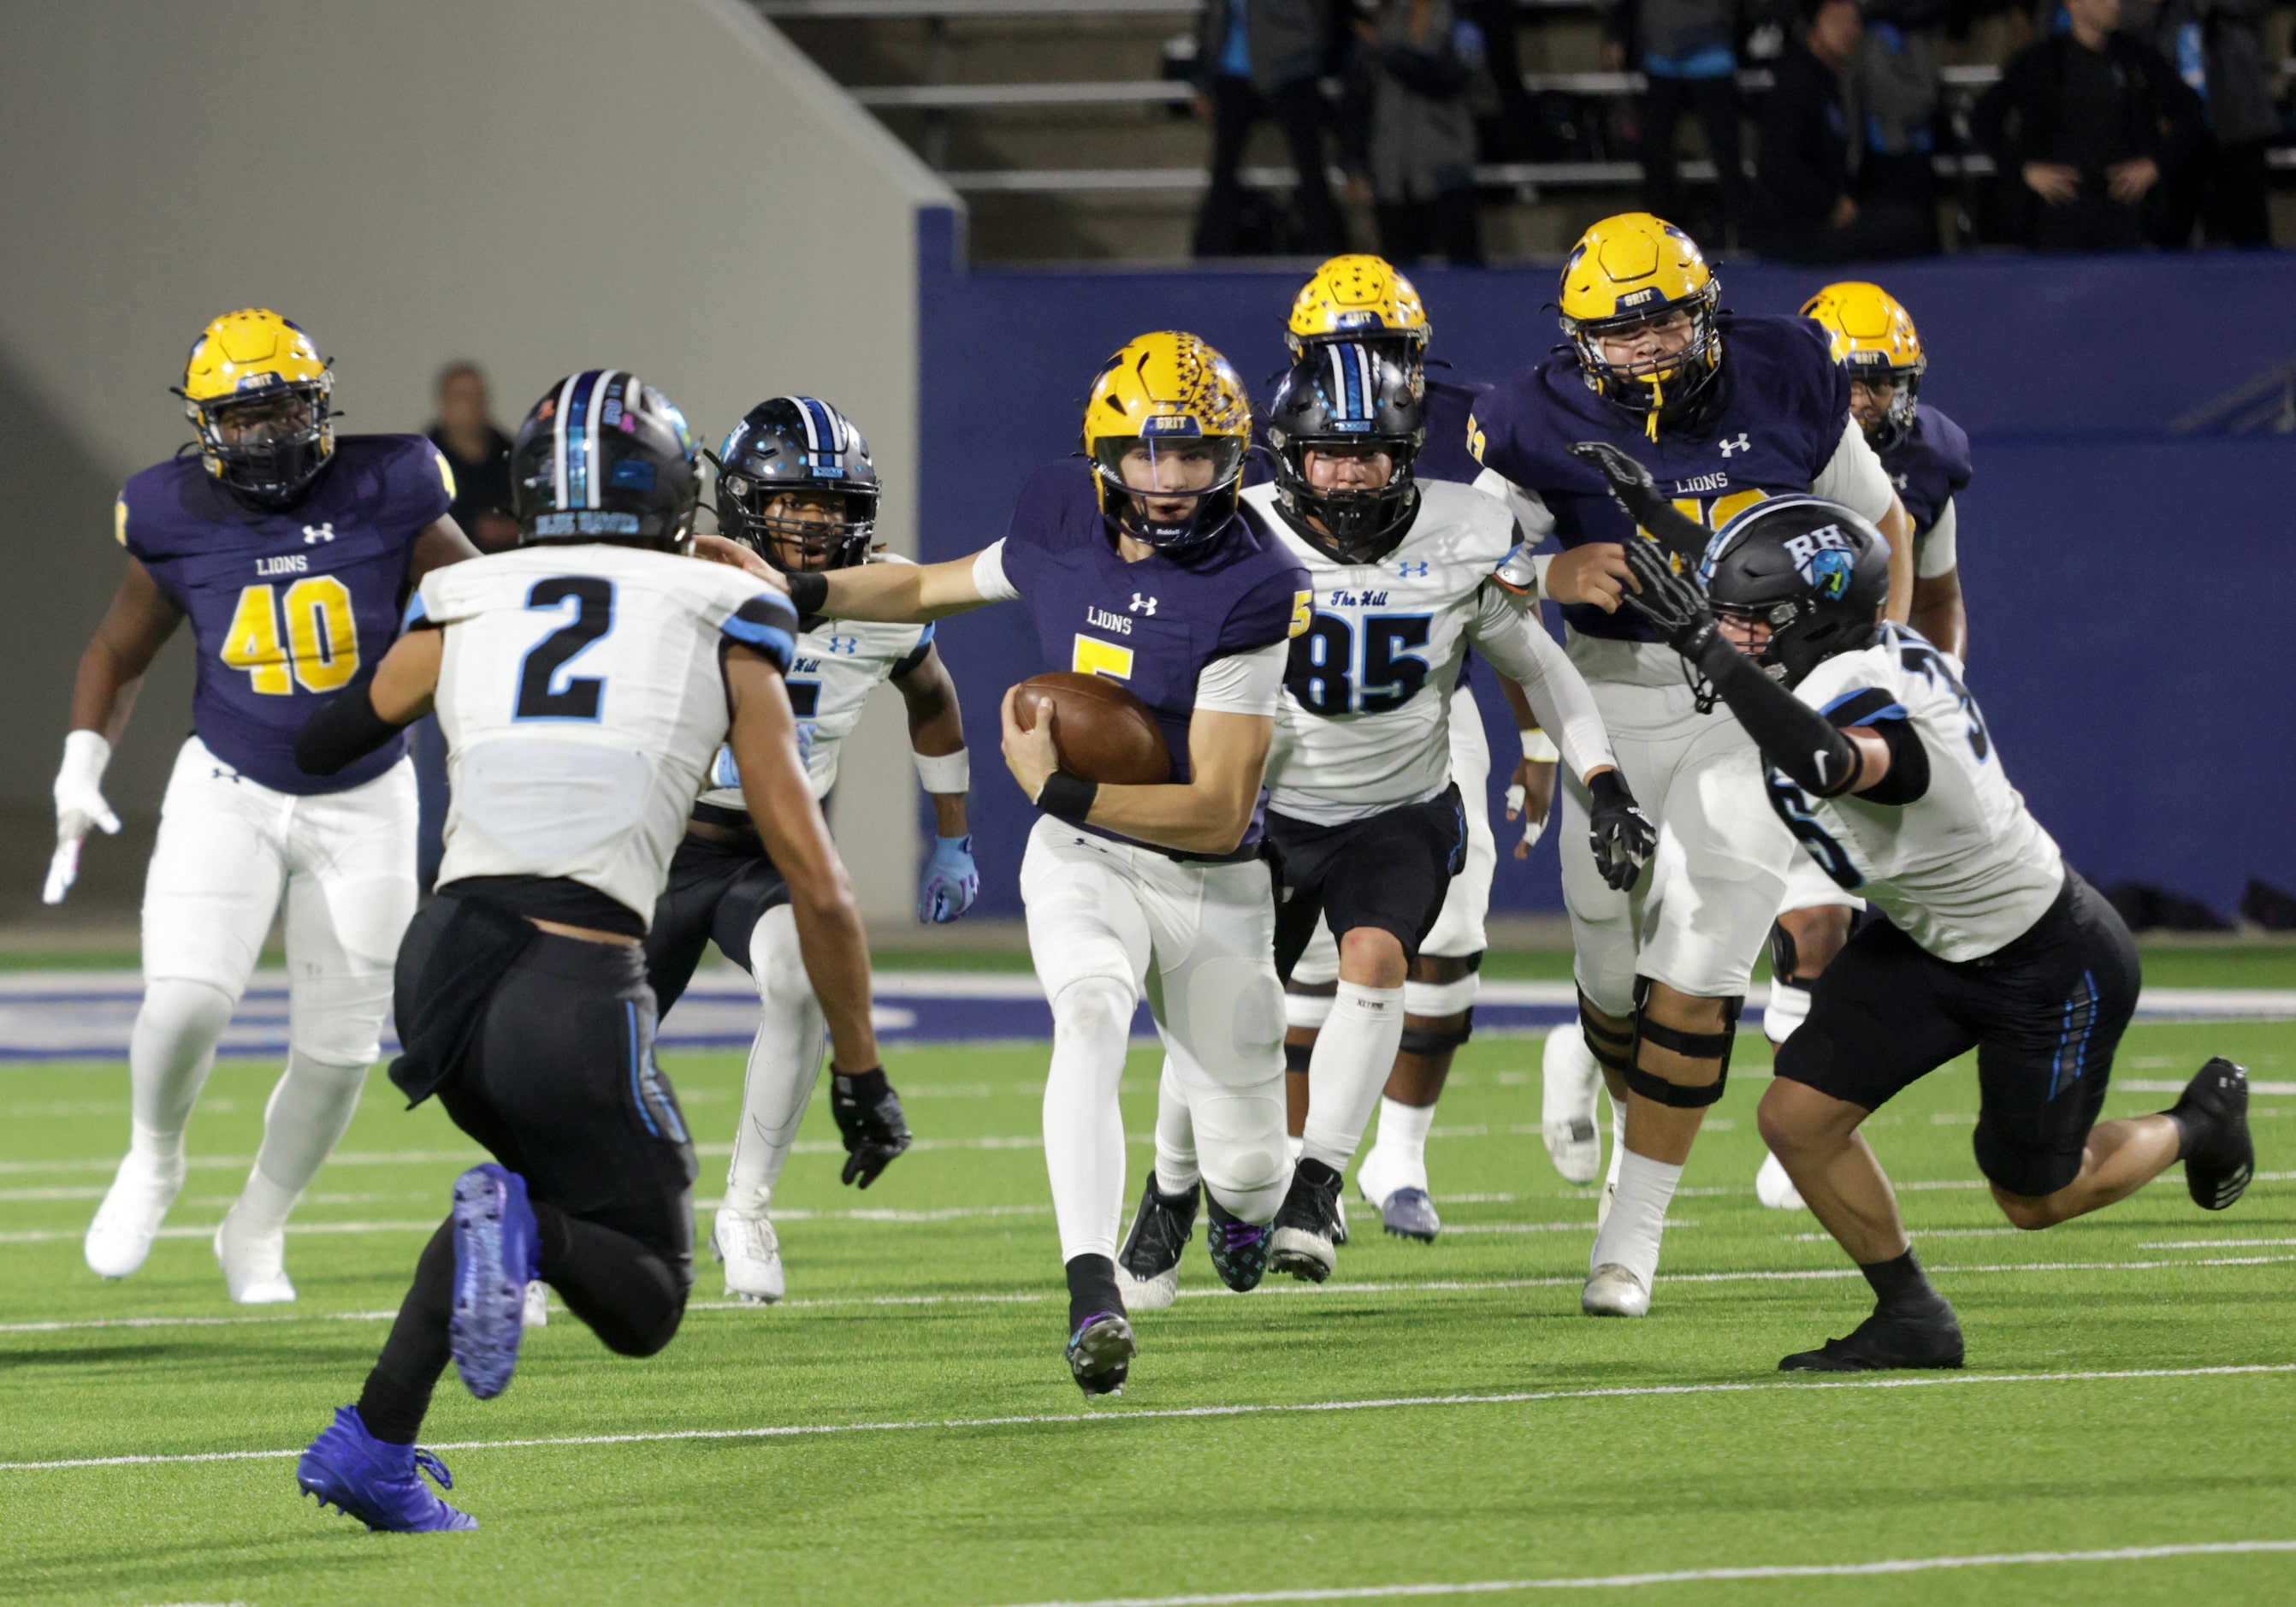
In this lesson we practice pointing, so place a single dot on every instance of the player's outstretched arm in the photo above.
(899, 594)
(950, 881)
(374, 708)
(1530, 796)
(1519, 645)
(1898, 525)
(130, 635)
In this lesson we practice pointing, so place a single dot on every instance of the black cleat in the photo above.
(1302, 1242)
(2219, 1156)
(1922, 1336)
(1239, 1248)
(1100, 1353)
(1148, 1266)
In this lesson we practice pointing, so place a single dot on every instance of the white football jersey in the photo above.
(1363, 726)
(581, 698)
(838, 663)
(1964, 869)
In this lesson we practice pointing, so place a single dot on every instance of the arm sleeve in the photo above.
(1244, 683)
(1791, 735)
(989, 576)
(1854, 476)
(1529, 507)
(1519, 647)
(1934, 548)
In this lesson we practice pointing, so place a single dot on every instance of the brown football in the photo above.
(1102, 731)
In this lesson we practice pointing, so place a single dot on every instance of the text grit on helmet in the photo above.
(1637, 277)
(797, 485)
(256, 390)
(1166, 426)
(1875, 341)
(1348, 401)
(1813, 571)
(604, 456)
(1360, 297)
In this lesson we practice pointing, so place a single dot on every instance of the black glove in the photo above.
(1674, 605)
(1621, 833)
(869, 1119)
(1633, 490)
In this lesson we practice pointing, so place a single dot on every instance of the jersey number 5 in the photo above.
(318, 649)
(541, 696)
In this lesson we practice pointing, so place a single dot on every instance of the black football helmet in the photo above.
(1343, 396)
(1814, 570)
(604, 456)
(798, 444)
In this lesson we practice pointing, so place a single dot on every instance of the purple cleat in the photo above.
(496, 1255)
(376, 1482)
(1239, 1247)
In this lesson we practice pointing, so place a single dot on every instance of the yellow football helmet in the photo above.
(1875, 338)
(1358, 298)
(1167, 415)
(255, 389)
(1635, 269)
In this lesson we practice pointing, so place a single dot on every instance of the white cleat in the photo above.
(1380, 1174)
(1774, 1188)
(536, 1314)
(1148, 1294)
(1613, 1292)
(1570, 1080)
(129, 1220)
(752, 1254)
(254, 1263)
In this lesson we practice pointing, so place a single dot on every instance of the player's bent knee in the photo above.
(2026, 1177)
(1443, 1034)
(1373, 957)
(1094, 1006)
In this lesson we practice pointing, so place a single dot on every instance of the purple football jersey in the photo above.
(1929, 464)
(1772, 422)
(286, 606)
(1151, 626)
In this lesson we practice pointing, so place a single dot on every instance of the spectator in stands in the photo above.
(1495, 21)
(2082, 127)
(1806, 195)
(1686, 49)
(2217, 48)
(478, 453)
(1895, 85)
(1257, 58)
(1421, 59)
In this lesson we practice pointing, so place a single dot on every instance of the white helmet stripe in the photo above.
(592, 468)
(558, 442)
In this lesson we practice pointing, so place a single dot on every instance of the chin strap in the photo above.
(1658, 401)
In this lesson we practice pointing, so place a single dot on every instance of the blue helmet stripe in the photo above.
(821, 424)
(575, 439)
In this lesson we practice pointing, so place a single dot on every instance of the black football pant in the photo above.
(560, 1086)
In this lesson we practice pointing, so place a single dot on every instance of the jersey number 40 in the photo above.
(316, 646)
(1335, 671)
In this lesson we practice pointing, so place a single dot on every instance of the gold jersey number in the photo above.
(315, 646)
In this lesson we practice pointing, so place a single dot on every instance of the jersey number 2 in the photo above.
(318, 649)
(540, 696)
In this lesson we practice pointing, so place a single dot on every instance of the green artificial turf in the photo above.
(934, 1326)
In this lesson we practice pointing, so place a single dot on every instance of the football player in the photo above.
(291, 549)
(1927, 459)
(1363, 299)
(1730, 411)
(795, 485)
(584, 680)
(1138, 565)
(1881, 763)
(1367, 821)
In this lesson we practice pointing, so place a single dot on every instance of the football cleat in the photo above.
(1927, 1336)
(376, 1482)
(254, 1263)
(1570, 1079)
(1148, 1266)
(2219, 1155)
(1410, 1214)
(495, 1251)
(1774, 1188)
(752, 1254)
(1302, 1242)
(1100, 1353)
(1239, 1248)
(536, 1314)
(1613, 1292)
(129, 1220)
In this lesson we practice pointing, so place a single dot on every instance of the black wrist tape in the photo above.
(1066, 797)
(808, 592)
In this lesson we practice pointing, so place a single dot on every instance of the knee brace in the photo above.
(1699, 1046)
(1447, 1034)
(1614, 1051)
(1433, 999)
(1785, 958)
(1307, 1006)
(1297, 1056)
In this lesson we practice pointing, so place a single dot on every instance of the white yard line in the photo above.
(1696, 1576)
(1119, 1414)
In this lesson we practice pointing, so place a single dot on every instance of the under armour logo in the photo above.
(1732, 448)
(318, 532)
(1902, 482)
(1408, 569)
(847, 645)
(1143, 605)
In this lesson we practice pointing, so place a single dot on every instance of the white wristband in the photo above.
(1540, 748)
(86, 755)
(944, 773)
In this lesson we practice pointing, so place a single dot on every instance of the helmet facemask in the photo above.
(817, 529)
(266, 446)
(1874, 368)
(1659, 388)
(1347, 402)
(1168, 488)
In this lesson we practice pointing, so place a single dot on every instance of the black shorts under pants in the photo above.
(716, 892)
(1392, 870)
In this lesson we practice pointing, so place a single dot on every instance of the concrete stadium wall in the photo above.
(537, 184)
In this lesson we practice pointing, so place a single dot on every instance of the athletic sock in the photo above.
(1176, 1171)
(1354, 1054)
(310, 1106)
(1402, 1142)
(397, 1392)
(1788, 1008)
(170, 1051)
(1898, 1283)
(1617, 1140)
(1630, 1234)
(785, 1064)
(1084, 1128)
(1091, 1289)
